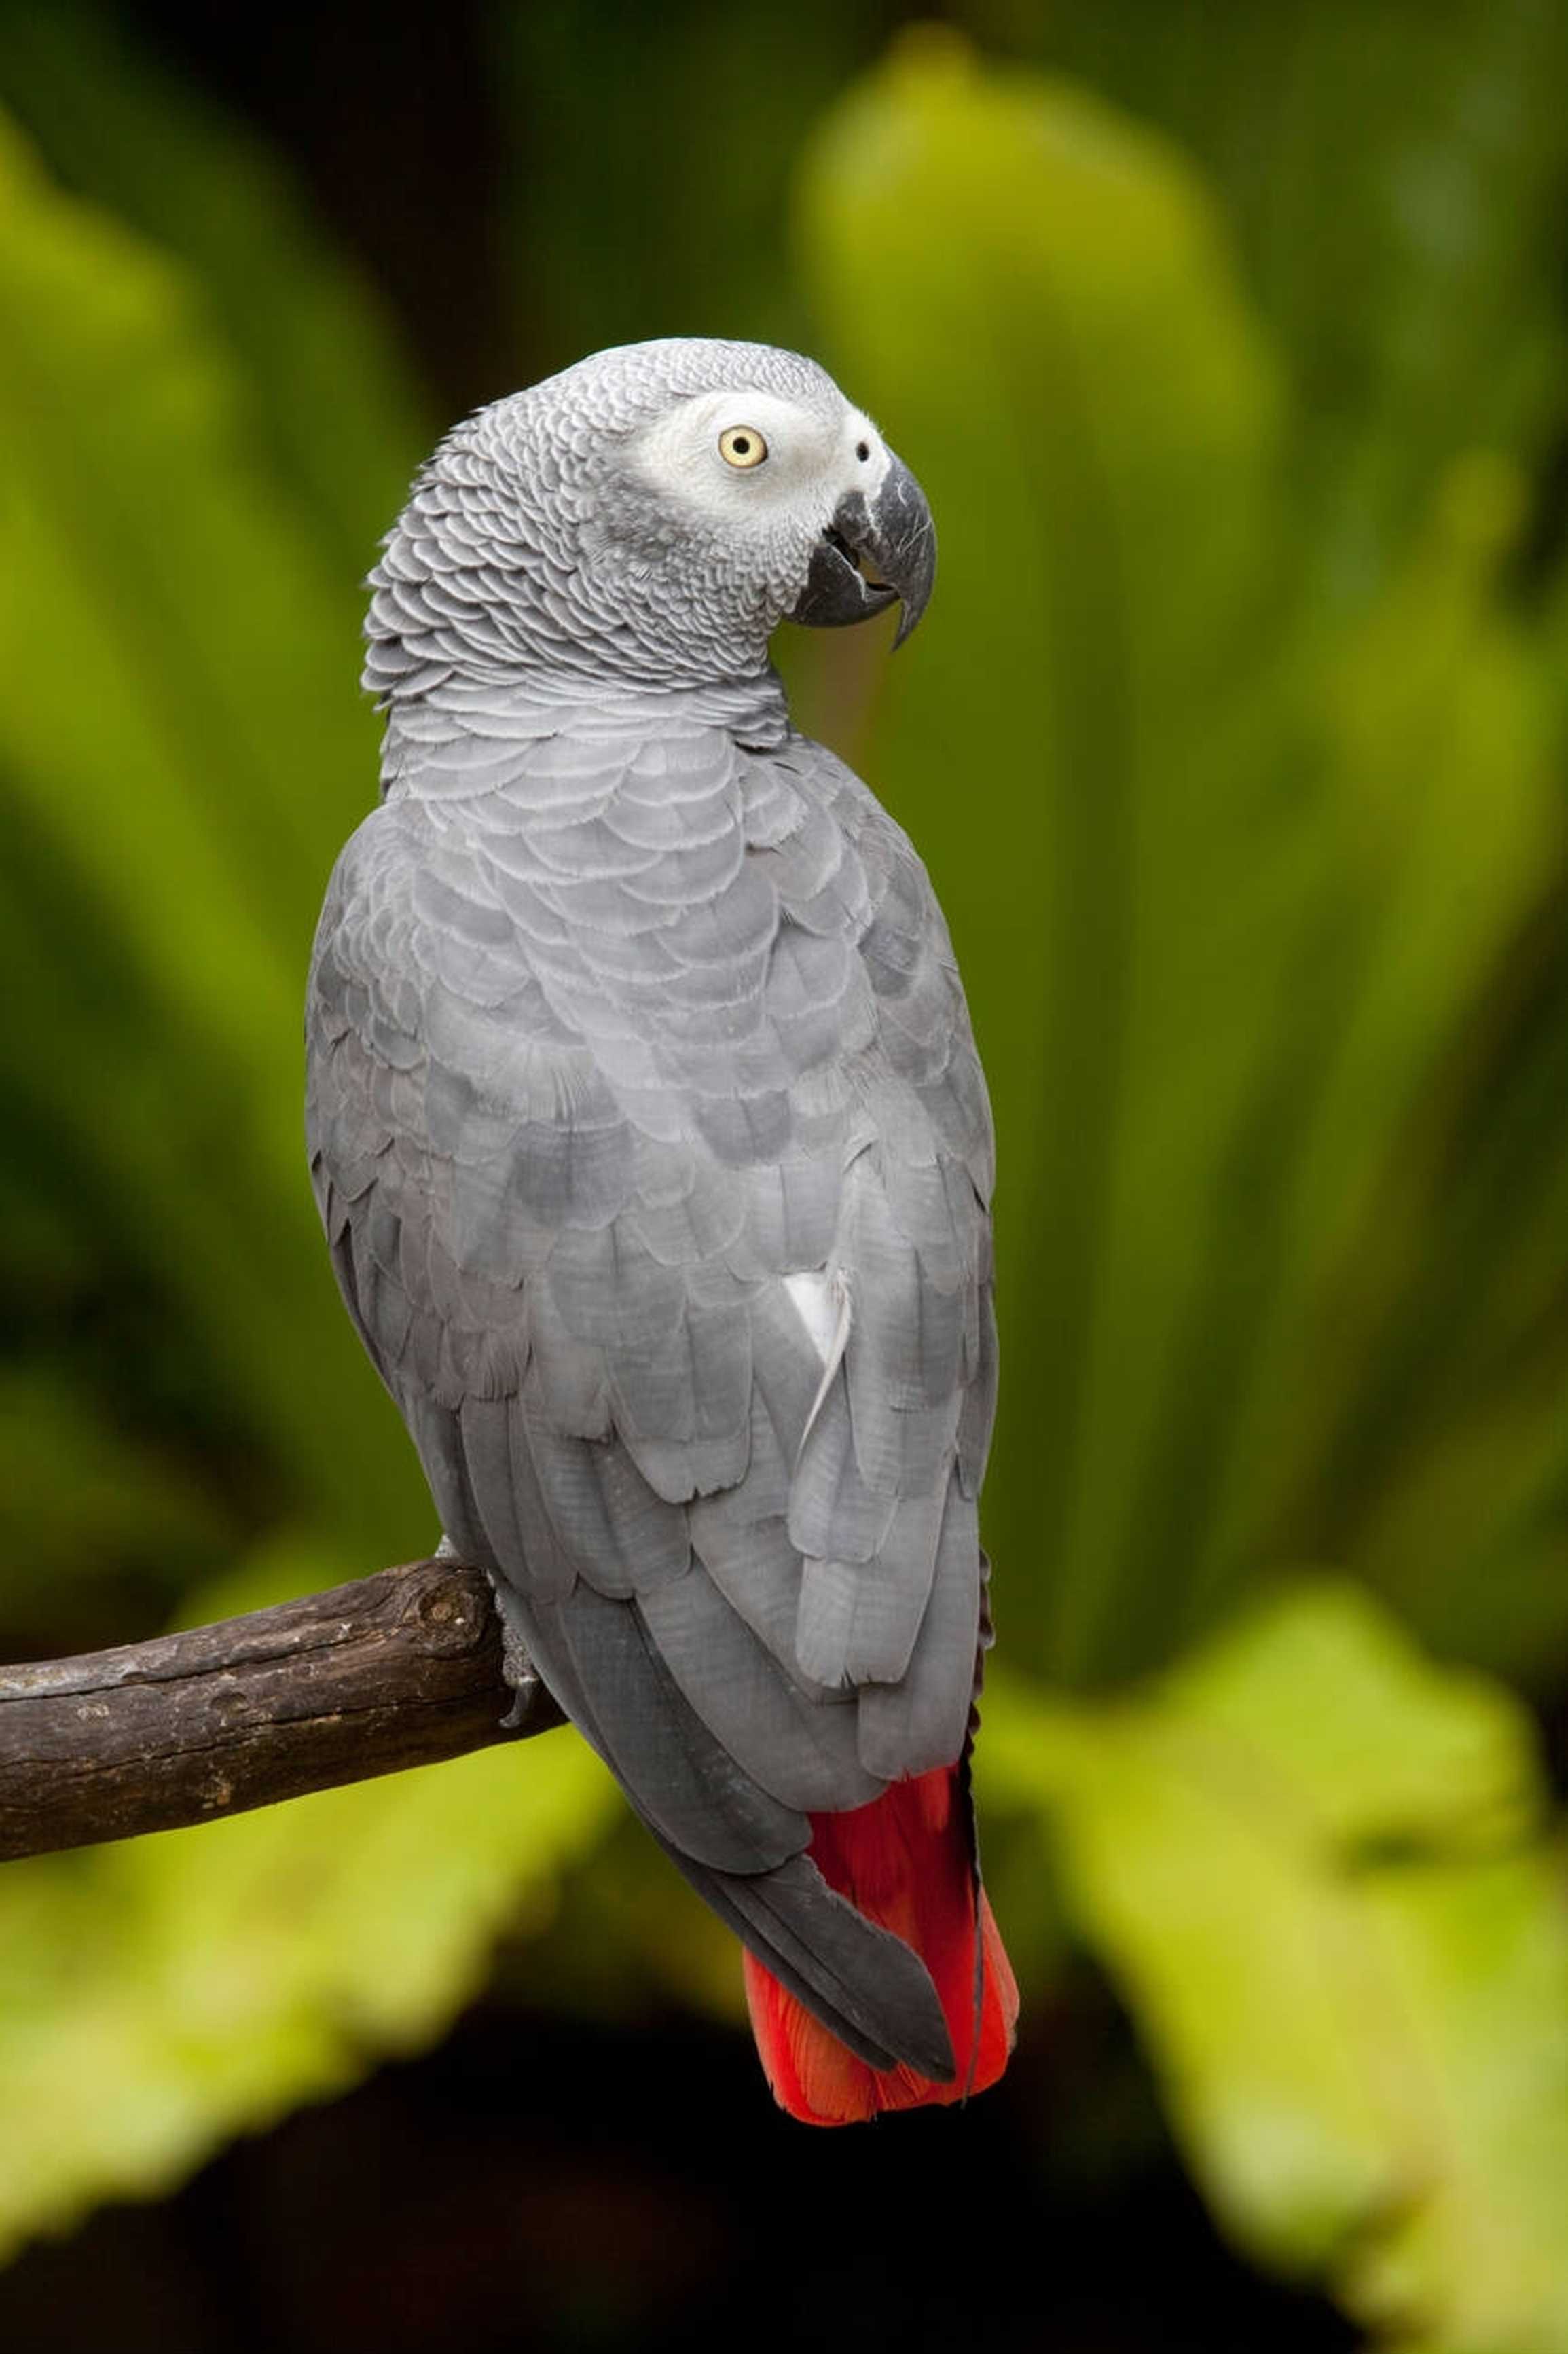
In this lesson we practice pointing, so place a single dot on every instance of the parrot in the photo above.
(648, 1132)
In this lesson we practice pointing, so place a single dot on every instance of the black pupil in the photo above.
(742, 446)
(863, 451)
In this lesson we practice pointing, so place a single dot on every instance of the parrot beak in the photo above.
(873, 551)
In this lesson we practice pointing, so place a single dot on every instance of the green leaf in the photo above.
(1097, 744)
(182, 751)
(1390, 170)
(1317, 1868)
(1380, 1335)
(330, 398)
(1243, 885)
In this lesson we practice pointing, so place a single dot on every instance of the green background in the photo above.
(1231, 345)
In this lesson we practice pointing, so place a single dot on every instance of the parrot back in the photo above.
(652, 1143)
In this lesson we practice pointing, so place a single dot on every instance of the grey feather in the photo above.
(798, 1745)
(823, 1951)
(691, 1788)
(921, 1719)
(626, 1004)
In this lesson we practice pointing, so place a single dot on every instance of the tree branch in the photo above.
(397, 1670)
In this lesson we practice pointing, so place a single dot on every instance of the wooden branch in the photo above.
(397, 1670)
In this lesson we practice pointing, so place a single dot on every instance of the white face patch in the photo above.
(811, 462)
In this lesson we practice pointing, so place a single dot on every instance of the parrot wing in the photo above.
(653, 1147)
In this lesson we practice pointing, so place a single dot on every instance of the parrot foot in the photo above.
(515, 1664)
(519, 1671)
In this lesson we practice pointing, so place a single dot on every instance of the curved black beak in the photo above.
(874, 550)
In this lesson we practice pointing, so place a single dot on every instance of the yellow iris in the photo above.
(742, 445)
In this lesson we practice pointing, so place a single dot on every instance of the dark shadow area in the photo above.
(543, 2183)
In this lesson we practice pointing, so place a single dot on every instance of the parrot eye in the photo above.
(742, 446)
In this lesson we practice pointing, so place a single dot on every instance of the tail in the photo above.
(906, 1862)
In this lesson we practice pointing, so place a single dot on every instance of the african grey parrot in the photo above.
(655, 1154)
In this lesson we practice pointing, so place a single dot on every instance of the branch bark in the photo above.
(397, 1670)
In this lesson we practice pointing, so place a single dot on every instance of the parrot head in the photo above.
(650, 513)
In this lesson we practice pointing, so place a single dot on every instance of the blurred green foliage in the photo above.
(1232, 356)
(1258, 876)
(1315, 1865)
(168, 1992)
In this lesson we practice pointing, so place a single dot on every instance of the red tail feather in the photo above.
(904, 1862)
